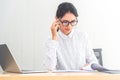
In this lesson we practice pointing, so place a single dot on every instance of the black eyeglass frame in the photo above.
(67, 22)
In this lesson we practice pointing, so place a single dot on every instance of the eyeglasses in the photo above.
(66, 23)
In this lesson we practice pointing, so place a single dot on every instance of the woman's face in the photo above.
(67, 22)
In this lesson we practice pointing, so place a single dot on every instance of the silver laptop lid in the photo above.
(7, 61)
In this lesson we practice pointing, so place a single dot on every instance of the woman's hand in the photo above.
(54, 28)
(85, 65)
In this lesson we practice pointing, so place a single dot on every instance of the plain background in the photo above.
(25, 27)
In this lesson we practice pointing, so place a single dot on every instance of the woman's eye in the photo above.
(65, 23)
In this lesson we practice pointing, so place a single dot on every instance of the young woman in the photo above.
(68, 48)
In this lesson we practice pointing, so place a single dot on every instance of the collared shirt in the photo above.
(69, 52)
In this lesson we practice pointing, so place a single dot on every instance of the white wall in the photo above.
(101, 19)
(25, 26)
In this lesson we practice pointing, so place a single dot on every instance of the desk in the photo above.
(60, 76)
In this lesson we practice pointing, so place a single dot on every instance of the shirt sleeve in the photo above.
(90, 56)
(50, 55)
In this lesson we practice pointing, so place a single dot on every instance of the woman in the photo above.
(68, 48)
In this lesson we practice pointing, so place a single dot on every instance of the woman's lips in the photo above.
(67, 29)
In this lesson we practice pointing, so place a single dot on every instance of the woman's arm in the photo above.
(51, 48)
(90, 56)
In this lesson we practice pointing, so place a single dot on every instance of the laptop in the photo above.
(9, 64)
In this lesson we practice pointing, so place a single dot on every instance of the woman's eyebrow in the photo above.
(68, 20)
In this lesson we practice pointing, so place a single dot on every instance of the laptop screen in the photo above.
(6, 60)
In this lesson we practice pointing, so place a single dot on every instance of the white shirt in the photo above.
(69, 52)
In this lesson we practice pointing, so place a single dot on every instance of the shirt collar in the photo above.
(65, 36)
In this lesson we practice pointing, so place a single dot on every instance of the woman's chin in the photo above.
(68, 32)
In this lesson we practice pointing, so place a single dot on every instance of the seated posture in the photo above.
(68, 48)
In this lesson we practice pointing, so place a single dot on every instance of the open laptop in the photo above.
(8, 62)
